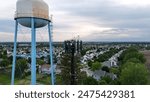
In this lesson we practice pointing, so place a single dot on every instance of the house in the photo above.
(98, 74)
(113, 61)
(9, 53)
(57, 69)
(107, 63)
(46, 69)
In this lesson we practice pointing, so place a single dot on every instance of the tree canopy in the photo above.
(134, 74)
(4, 63)
(96, 66)
(66, 69)
(137, 55)
(105, 68)
(21, 66)
(90, 81)
(133, 55)
(115, 71)
(132, 68)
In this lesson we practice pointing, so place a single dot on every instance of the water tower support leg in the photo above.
(51, 53)
(33, 54)
(14, 54)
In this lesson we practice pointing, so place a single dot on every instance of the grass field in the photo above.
(41, 80)
(5, 78)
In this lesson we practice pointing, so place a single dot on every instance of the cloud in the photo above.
(120, 35)
(91, 19)
(110, 14)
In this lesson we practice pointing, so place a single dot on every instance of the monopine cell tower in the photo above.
(33, 14)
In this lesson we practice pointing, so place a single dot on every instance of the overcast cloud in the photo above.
(93, 20)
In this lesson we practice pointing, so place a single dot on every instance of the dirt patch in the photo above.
(147, 56)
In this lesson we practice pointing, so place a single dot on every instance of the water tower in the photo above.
(33, 14)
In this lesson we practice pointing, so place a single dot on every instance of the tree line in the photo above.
(132, 68)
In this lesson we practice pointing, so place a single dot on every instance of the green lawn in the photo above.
(5, 78)
(41, 80)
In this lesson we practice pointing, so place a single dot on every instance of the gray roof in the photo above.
(107, 63)
(98, 74)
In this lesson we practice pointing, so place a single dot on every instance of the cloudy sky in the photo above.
(93, 20)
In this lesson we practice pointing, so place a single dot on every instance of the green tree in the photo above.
(65, 66)
(105, 68)
(90, 63)
(136, 55)
(96, 66)
(21, 66)
(66, 69)
(134, 60)
(83, 52)
(10, 58)
(82, 77)
(1, 55)
(107, 79)
(5, 52)
(90, 81)
(133, 55)
(4, 63)
(102, 82)
(134, 74)
(128, 50)
(40, 62)
(115, 71)
(106, 55)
